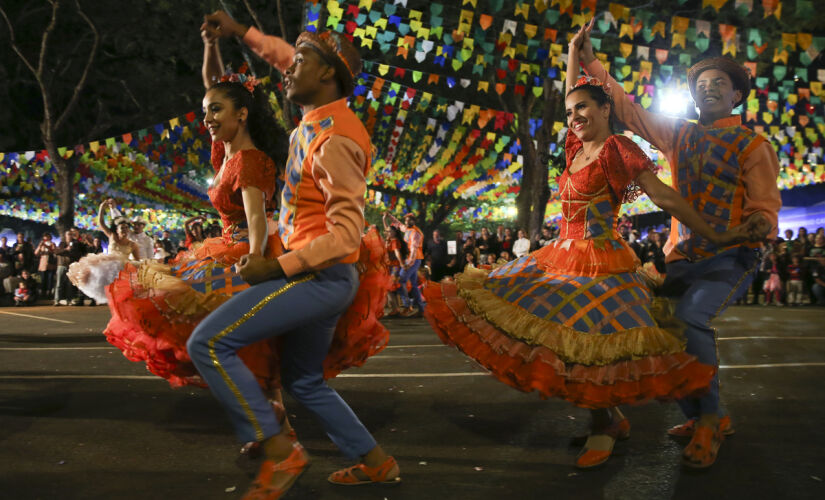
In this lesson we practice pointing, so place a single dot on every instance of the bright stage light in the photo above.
(511, 211)
(675, 102)
(209, 181)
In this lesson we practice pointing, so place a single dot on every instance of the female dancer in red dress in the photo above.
(574, 319)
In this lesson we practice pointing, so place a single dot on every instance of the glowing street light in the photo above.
(674, 102)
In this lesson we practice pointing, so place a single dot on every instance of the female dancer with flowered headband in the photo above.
(574, 319)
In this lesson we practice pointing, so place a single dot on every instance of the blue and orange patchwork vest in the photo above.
(302, 216)
(707, 173)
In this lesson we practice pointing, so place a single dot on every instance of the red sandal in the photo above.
(703, 448)
(686, 429)
(380, 474)
(294, 465)
(588, 458)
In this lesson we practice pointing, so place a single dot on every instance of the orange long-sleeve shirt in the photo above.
(758, 173)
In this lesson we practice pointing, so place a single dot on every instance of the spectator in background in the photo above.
(773, 285)
(818, 275)
(77, 249)
(471, 248)
(97, 246)
(6, 271)
(795, 286)
(818, 248)
(546, 236)
(486, 244)
(24, 294)
(47, 263)
(63, 289)
(4, 246)
(159, 253)
(507, 241)
(23, 248)
(521, 247)
(143, 241)
(653, 251)
(169, 244)
(802, 244)
(437, 251)
(470, 260)
(624, 227)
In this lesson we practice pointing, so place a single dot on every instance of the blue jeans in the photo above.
(704, 289)
(411, 275)
(302, 310)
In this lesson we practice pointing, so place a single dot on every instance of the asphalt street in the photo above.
(79, 421)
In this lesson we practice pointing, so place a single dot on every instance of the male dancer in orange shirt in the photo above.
(300, 295)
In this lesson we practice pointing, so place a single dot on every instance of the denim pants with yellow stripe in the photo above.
(303, 310)
(704, 290)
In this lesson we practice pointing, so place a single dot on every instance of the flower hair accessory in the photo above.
(591, 80)
(248, 81)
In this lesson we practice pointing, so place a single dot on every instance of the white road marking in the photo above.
(771, 338)
(772, 365)
(37, 317)
(355, 375)
(56, 348)
(414, 345)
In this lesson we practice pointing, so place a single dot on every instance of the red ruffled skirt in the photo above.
(573, 320)
(156, 307)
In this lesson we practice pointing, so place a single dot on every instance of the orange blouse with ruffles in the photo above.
(249, 167)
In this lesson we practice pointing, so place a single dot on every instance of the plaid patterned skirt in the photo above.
(573, 320)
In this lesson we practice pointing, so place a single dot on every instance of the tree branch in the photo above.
(254, 16)
(44, 42)
(14, 46)
(82, 83)
(281, 22)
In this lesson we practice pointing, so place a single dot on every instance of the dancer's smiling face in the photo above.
(221, 117)
(715, 95)
(123, 230)
(585, 116)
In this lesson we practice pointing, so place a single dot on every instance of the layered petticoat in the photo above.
(94, 272)
(572, 320)
(156, 307)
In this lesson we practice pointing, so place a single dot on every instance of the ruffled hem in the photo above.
(94, 272)
(587, 257)
(570, 345)
(538, 368)
(154, 312)
(359, 334)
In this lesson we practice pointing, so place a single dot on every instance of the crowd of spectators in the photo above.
(445, 255)
(792, 269)
(32, 271)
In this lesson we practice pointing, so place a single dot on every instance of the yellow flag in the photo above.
(626, 49)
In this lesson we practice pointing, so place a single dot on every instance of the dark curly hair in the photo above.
(265, 131)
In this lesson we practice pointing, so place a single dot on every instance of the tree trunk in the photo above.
(446, 205)
(65, 187)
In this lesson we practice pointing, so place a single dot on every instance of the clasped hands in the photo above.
(755, 228)
(256, 269)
